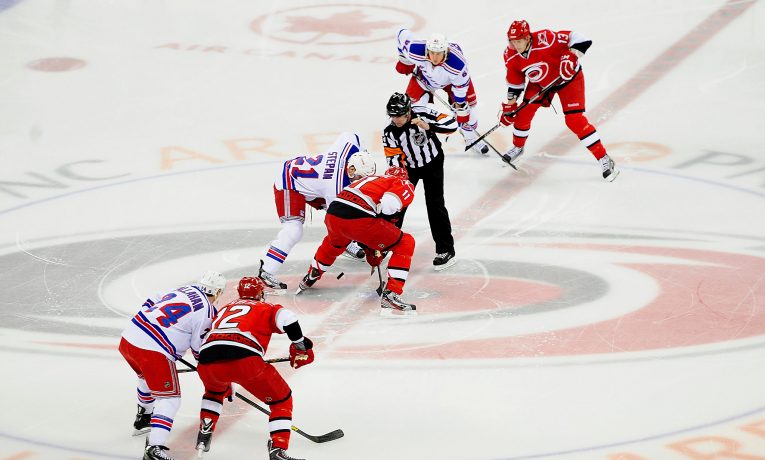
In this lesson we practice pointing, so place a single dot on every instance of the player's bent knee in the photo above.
(405, 245)
(576, 122)
(291, 232)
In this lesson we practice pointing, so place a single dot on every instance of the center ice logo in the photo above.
(339, 24)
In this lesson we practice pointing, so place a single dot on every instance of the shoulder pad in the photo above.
(417, 49)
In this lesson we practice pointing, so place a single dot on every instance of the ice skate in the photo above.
(275, 286)
(608, 167)
(142, 424)
(310, 278)
(392, 305)
(511, 155)
(444, 260)
(156, 453)
(204, 437)
(277, 453)
(481, 148)
(354, 252)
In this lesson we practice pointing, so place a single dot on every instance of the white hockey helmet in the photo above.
(437, 43)
(363, 163)
(212, 283)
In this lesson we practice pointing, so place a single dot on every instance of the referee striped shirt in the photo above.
(414, 147)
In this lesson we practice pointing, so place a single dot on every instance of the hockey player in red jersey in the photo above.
(233, 352)
(365, 211)
(542, 57)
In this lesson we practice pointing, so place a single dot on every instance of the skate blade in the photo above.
(201, 450)
(612, 177)
(272, 291)
(142, 431)
(448, 264)
(392, 313)
(352, 257)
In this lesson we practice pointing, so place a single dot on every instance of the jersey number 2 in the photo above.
(227, 317)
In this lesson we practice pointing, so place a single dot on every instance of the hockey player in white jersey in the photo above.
(313, 181)
(164, 329)
(437, 64)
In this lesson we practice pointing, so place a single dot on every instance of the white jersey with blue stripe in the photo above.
(320, 176)
(172, 323)
(453, 71)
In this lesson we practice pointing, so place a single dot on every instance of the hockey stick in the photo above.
(536, 97)
(380, 288)
(331, 436)
(269, 361)
(454, 112)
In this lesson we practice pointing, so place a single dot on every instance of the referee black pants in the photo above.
(432, 176)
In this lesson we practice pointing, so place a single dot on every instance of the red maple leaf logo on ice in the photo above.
(352, 24)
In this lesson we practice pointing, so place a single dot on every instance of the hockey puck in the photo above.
(340, 275)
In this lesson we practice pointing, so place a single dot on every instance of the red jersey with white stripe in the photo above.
(242, 328)
(172, 323)
(541, 65)
(366, 195)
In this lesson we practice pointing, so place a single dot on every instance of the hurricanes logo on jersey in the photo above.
(536, 72)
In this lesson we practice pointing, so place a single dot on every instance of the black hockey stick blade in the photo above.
(331, 436)
(380, 288)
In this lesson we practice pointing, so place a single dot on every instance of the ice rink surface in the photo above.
(583, 320)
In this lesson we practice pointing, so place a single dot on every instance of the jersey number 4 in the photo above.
(172, 313)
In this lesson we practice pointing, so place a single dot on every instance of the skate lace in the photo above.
(269, 279)
(158, 453)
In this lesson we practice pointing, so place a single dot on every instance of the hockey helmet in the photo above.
(212, 283)
(397, 171)
(251, 288)
(398, 105)
(518, 30)
(363, 163)
(437, 43)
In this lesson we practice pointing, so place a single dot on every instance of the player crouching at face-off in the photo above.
(366, 212)
(233, 352)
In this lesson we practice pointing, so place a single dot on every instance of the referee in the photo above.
(410, 141)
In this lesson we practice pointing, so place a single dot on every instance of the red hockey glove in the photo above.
(374, 257)
(317, 203)
(463, 112)
(568, 65)
(506, 117)
(301, 353)
(404, 69)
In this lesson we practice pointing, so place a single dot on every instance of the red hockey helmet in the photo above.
(397, 171)
(251, 288)
(518, 30)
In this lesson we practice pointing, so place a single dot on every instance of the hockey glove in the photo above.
(374, 257)
(317, 203)
(507, 116)
(463, 112)
(301, 353)
(568, 63)
(404, 69)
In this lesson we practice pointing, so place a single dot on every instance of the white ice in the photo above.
(583, 320)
